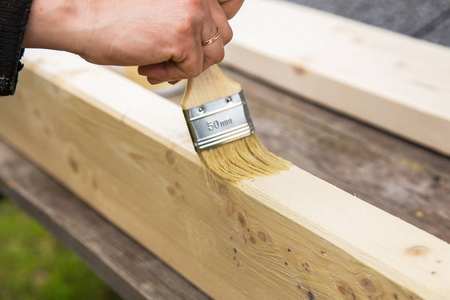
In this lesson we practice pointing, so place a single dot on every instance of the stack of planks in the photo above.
(127, 153)
(393, 81)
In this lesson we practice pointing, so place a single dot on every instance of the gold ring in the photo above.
(213, 39)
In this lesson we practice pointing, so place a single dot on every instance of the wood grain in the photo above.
(283, 236)
(406, 180)
(127, 267)
(389, 80)
(402, 178)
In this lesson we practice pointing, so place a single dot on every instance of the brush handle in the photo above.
(211, 85)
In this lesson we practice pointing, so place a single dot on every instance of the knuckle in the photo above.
(194, 3)
(227, 35)
(184, 28)
(187, 25)
(194, 10)
(179, 53)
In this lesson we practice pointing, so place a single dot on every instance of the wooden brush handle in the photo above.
(211, 85)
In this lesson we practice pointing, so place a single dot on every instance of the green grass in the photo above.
(34, 265)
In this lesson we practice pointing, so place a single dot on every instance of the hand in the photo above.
(231, 7)
(164, 37)
(157, 73)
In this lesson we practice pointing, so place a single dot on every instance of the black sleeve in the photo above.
(13, 21)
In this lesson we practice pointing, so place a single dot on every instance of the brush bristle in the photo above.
(242, 159)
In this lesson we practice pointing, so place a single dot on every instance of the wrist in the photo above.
(55, 24)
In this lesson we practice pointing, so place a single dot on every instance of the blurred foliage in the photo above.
(34, 265)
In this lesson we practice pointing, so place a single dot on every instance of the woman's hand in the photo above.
(231, 7)
(164, 37)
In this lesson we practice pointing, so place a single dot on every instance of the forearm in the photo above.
(164, 37)
(56, 24)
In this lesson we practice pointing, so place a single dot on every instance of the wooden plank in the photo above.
(128, 154)
(267, 106)
(440, 33)
(408, 17)
(401, 178)
(128, 268)
(389, 80)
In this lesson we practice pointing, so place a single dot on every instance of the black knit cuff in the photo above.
(13, 21)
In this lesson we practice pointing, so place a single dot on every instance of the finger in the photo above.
(167, 71)
(188, 65)
(154, 81)
(191, 65)
(231, 7)
(156, 73)
(213, 52)
(193, 57)
(186, 61)
(220, 19)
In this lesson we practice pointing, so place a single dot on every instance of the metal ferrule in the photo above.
(219, 122)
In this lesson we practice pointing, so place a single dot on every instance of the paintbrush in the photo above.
(222, 130)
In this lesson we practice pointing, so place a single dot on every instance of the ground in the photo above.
(34, 265)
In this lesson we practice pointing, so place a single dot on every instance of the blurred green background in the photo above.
(34, 265)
